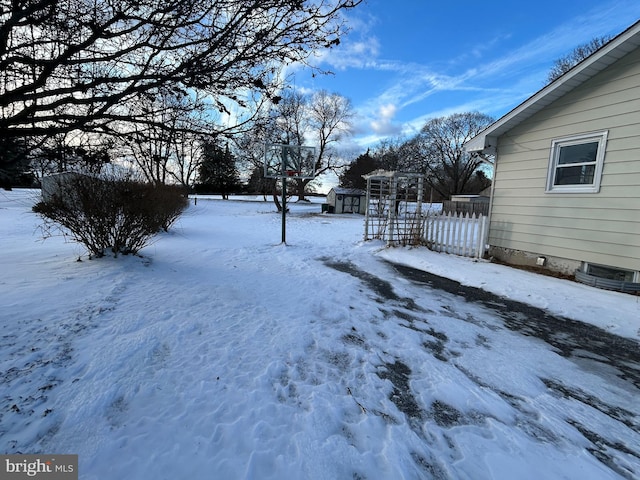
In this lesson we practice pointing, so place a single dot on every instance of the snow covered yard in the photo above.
(221, 354)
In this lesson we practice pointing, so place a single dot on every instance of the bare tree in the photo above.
(157, 146)
(288, 124)
(438, 151)
(70, 151)
(289, 119)
(250, 152)
(330, 121)
(186, 159)
(566, 63)
(77, 64)
(150, 150)
(320, 120)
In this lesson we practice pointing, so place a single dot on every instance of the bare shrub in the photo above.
(116, 215)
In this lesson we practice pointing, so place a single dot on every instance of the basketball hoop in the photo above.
(282, 162)
(289, 161)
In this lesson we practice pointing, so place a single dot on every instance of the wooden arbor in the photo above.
(394, 207)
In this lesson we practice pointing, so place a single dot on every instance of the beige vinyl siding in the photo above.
(599, 227)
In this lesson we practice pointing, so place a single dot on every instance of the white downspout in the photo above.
(494, 164)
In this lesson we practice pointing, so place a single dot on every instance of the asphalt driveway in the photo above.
(614, 360)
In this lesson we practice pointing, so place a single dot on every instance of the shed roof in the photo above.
(609, 53)
(349, 191)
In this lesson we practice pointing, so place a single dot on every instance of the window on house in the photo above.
(576, 163)
(610, 273)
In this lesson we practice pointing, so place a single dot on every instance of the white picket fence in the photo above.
(459, 234)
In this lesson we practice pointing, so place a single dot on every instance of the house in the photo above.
(566, 187)
(346, 200)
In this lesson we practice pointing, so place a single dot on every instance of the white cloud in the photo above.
(360, 54)
(358, 49)
(383, 123)
(388, 111)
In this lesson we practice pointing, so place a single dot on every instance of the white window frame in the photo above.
(557, 144)
(635, 275)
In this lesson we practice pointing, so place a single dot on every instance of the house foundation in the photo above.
(539, 261)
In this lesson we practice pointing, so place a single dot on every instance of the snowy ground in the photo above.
(221, 354)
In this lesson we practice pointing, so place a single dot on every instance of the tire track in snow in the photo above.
(573, 340)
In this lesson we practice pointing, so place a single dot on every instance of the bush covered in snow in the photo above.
(116, 215)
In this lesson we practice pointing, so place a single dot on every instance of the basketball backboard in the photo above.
(289, 161)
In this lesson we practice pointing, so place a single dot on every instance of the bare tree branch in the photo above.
(579, 53)
(437, 151)
(74, 64)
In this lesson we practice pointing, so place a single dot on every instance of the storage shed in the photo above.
(346, 200)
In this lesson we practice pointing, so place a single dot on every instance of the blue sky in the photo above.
(407, 61)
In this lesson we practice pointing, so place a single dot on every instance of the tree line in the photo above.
(436, 152)
(188, 93)
(149, 82)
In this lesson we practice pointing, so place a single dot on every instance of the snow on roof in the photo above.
(390, 174)
(348, 191)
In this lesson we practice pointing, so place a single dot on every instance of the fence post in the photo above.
(464, 234)
(481, 237)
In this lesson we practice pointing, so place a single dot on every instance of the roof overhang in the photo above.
(615, 49)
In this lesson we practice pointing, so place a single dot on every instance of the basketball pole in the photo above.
(283, 156)
(284, 210)
(295, 169)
